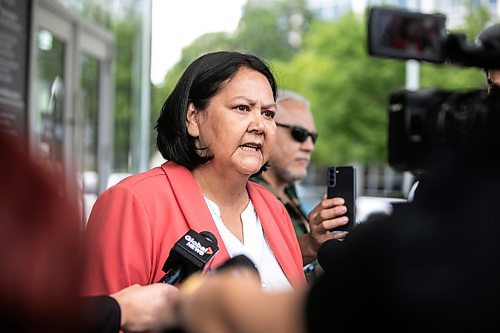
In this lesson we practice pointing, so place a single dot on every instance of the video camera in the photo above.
(423, 120)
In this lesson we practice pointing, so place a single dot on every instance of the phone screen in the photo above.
(341, 182)
(397, 33)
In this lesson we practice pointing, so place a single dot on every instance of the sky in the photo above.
(176, 23)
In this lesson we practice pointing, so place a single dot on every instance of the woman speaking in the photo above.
(215, 130)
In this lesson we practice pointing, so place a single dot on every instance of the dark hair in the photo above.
(489, 39)
(202, 80)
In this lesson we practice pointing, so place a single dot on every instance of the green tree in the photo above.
(475, 20)
(347, 88)
(272, 29)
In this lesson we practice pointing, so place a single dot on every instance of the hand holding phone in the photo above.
(341, 182)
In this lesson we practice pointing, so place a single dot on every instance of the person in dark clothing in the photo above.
(431, 266)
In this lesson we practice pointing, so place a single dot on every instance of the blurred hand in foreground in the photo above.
(147, 308)
(233, 301)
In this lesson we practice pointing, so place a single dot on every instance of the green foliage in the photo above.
(451, 77)
(475, 20)
(272, 29)
(347, 89)
(271, 41)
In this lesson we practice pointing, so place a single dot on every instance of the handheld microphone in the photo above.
(328, 252)
(234, 263)
(239, 261)
(189, 254)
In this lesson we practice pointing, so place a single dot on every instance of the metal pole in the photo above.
(412, 83)
(145, 104)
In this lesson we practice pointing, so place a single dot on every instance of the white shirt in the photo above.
(255, 246)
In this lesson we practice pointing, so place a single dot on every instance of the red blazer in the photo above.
(134, 224)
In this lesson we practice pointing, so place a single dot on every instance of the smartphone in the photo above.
(399, 33)
(341, 182)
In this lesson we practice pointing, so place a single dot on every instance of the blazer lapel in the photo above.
(273, 234)
(192, 204)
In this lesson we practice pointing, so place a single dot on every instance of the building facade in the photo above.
(60, 65)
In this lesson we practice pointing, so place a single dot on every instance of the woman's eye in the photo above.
(243, 108)
(269, 114)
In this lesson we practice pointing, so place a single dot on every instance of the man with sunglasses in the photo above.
(295, 141)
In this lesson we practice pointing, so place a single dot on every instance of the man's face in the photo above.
(290, 158)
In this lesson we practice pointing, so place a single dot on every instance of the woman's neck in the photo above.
(228, 192)
(222, 188)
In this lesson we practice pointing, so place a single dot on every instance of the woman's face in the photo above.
(237, 126)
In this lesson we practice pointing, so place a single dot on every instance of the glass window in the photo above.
(50, 100)
(90, 99)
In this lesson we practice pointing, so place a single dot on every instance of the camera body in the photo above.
(402, 34)
(423, 121)
(428, 120)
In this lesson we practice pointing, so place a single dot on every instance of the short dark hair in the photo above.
(202, 79)
(489, 39)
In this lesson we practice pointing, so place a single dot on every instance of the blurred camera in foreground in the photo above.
(426, 121)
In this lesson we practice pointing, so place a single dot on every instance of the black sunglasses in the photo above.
(300, 134)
